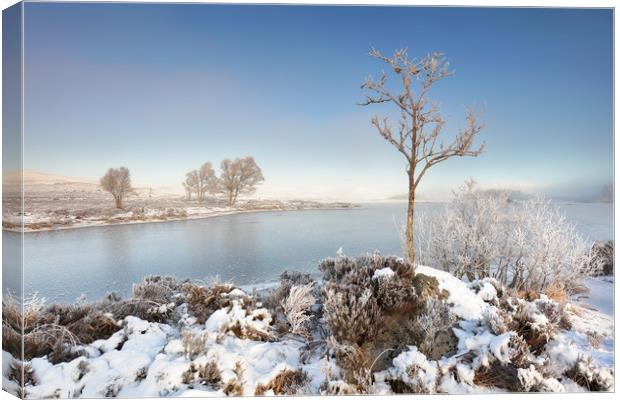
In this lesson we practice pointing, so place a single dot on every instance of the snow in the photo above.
(600, 295)
(383, 273)
(146, 359)
(467, 304)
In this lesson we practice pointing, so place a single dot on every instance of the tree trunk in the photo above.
(119, 201)
(410, 213)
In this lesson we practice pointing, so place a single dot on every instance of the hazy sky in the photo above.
(163, 88)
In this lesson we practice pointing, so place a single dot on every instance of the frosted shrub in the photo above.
(591, 377)
(296, 307)
(414, 372)
(434, 325)
(202, 301)
(357, 292)
(523, 245)
(351, 316)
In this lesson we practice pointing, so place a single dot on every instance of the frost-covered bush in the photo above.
(524, 245)
(204, 300)
(434, 329)
(296, 307)
(537, 321)
(351, 315)
(51, 330)
(355, 365)
(357, 291)
(413, 373)
(158, 289)
(589, 376)
(375, 307)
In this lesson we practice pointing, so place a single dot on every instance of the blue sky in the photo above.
(163, 88)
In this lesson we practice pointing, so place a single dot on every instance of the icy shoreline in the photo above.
(37, 223)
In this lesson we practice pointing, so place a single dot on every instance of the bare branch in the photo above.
(420, 123)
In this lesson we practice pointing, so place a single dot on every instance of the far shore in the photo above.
(204, 215)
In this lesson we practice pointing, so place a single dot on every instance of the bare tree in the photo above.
(240, 176)
(118, 182)
(191, 183)
(200, 181)
(207, 181)
(420, 123)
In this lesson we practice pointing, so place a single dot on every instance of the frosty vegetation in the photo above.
(238, 176)
(527, 246)
(117, 181)
(419, 137)
(370, 325)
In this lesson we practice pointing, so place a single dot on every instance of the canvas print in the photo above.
(254, 200)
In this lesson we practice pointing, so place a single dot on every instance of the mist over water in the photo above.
(246, 248)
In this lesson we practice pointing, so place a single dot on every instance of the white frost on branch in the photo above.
(296, 305)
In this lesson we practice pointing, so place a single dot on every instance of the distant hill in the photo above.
(41, 178)
(607, 194)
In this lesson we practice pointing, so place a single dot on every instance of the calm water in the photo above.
(247, 248)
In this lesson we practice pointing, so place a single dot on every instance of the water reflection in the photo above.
(246, 248)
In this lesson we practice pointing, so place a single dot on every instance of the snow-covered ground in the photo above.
(37, 221)
(600, 295)
(146, 359)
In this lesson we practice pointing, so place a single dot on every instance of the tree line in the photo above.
(236, 177)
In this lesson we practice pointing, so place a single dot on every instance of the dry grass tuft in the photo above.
(251, 333)
(55, 330)
(595, 339)
(202, 301)
(40, 331)
(158, 289)
(234, 387)
(287, 382)
(193, 343)
(586, 375)
(205, 374)
(499, 376)
(557, 292)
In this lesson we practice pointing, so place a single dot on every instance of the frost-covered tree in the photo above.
(419, 128)
(240, 176)
(526, 245)
(200, 181)
(188, 189)
(117, 181)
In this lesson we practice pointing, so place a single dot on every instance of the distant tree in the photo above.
(207, 181)
(188, 189)
(420, 123)
(200, 181)
(118, 182)
(240, 176)
(191, 183)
